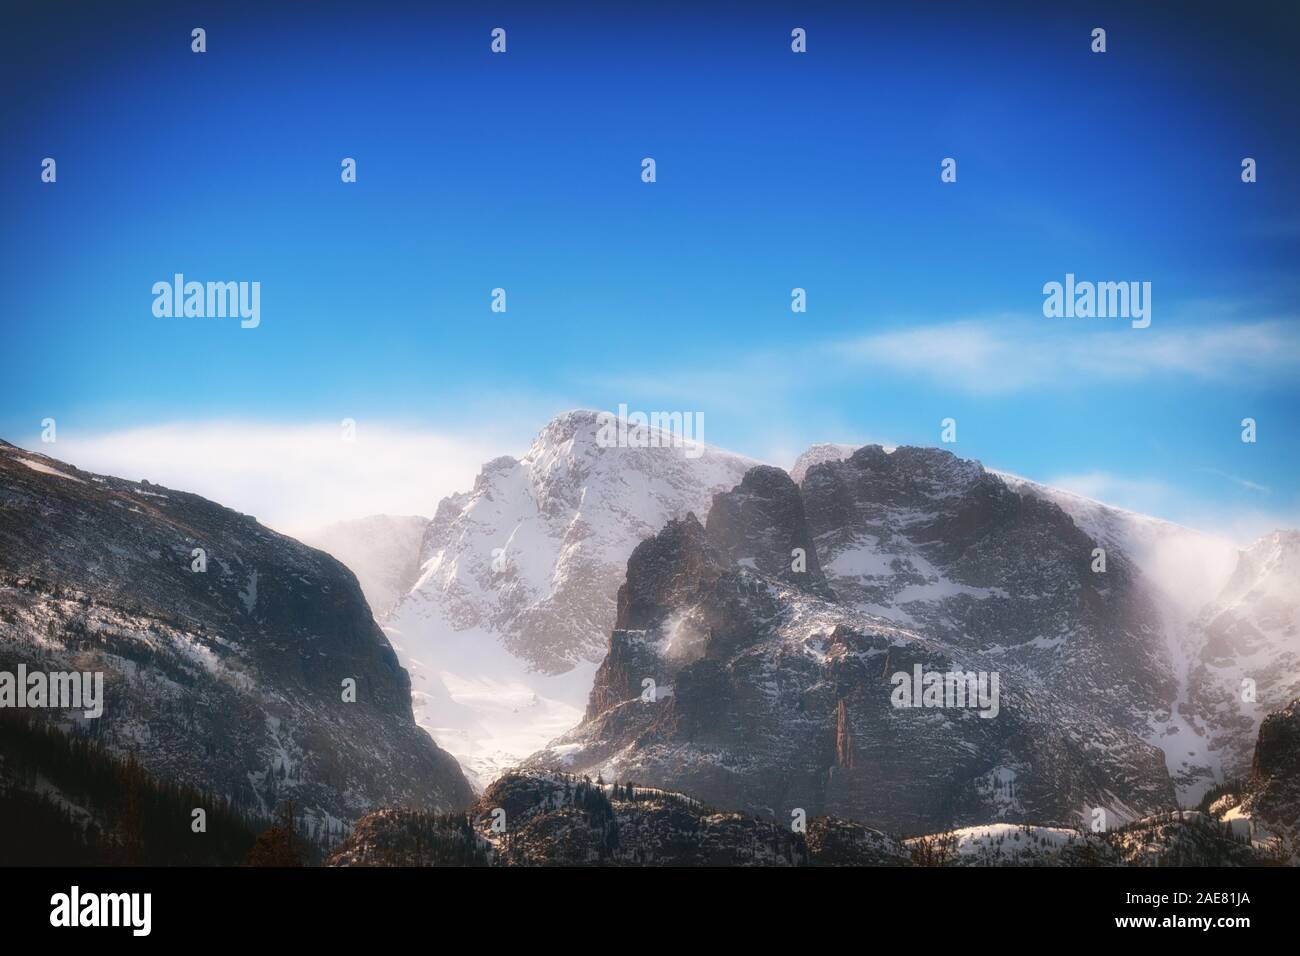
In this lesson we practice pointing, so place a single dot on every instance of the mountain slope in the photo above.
(229, 679)
(503, 629)
(1178, 568)
(64, 801)
(935, 543)
(770, 695)
(1272, 794)
(1197, 716)
(383, 551)
(1245, 650)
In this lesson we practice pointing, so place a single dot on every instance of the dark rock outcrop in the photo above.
(761, 524)
(537, 819)
(1272, 794)
(774, 693)
(554, 819)
(226, 648)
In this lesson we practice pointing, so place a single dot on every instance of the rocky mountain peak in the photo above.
(761, 524)
(226, 647)
(663, 570)
(1270, 566)
(1277, 753)
(934, 472)
(1272, 793)
(816, 454)
(519, 580)
(932, 563)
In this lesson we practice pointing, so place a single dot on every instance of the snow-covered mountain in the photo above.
(818, 453)
(1231, 620)
(1186, 565)
(1205, 728)
(518, 577)
(768, 616)
(224, 646)
(511, 612)
(1244, 651)
(774, 694)
(383, 551)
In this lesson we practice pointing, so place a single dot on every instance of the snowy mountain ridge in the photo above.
(1200, 587)
(510, 614)
(515, 597)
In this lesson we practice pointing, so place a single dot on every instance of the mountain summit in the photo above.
(510, 614)
(729, 678)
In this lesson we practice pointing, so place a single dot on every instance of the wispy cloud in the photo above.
(1238, 480)
(1242, 525)
(292, 477)
(1134, 494)
(299, 477)
(999, 355)
(1010, 355)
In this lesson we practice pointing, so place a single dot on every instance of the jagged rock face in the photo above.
(1227, 615)
(665, 570)
(934, 543)
(761, 524)
(1273, 791)
(1246, 649)
(1277, 755)
(770, 695)
(816, 454)
(229, 679)
(519, 583)
(536, 551)
(982, 563)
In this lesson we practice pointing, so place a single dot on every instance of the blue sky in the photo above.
(775, 170)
